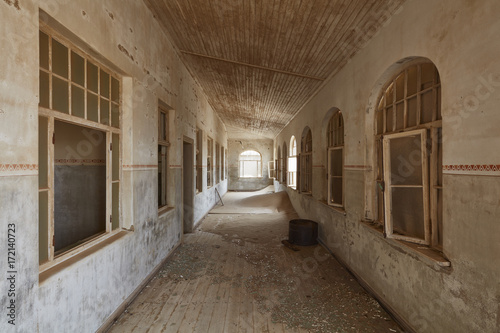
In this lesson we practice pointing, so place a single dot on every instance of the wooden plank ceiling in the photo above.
(260, 61)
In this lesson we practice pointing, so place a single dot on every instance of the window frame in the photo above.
(241, 164)
(199, 160)
(336, 141)
(210, 171)
(292, 175)
(113, 144)
(217, 163)
(163, 145)
(306, 169)
(430, 121)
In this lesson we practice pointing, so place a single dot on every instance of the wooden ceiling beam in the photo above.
(254, 66)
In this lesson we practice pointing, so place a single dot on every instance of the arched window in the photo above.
(306, 161)
(278, 166)
(284, 165)
(250, 164)
(409, 156)
(335, 170)
(292, 163)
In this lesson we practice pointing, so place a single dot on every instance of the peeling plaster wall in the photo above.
(236, 147)
(125, 36)
(461, 38)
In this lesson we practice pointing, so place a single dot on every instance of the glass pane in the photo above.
(92, 102)
(337, 190)
(406, 160)
(115, 115)
(77, 101)
(380, 122)
(60, 98)
(115, 90)
(43, 154)
(115, 206)
(163, 133)
(400, 87)
(380, 204)
(389, 95)
(43, 227)
(44, 90)
(104, 111)
(380, 160)
(400, 114)
(428, 106)
(115, 167)
(389, 120)
(438, 106)
(77, 69)
(104, 84)
(412, 112)
(44, 50)
(59, 59)
(412, 81)
(336, 162)
(428, 74)
(92, 77)
(408, 212)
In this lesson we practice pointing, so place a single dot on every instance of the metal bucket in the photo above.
(303, 232)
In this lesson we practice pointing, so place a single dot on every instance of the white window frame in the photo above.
(292, 160)
(243, 162)
(163, 144)
(112, 131)
(389, 186)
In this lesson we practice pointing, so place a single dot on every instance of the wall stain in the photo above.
(124, 50)
(110, 14)
(14, 3)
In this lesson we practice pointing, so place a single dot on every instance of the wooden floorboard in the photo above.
(227, 279)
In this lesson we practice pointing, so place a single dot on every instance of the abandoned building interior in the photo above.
(123, 123)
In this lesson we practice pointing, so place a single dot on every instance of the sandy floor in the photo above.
(234, 275)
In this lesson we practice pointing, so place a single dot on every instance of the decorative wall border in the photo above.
(72, 162)
(473, 169)
(138, 167)
(358, 167)
(18, 170)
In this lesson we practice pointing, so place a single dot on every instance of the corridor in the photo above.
(233, 274)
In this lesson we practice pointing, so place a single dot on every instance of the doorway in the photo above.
(188, 185)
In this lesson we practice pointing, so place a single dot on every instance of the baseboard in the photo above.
(117, 313)
(385, 305)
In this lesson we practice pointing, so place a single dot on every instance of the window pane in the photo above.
(412, 112)
(104, 84)
(408, 212)
(92, 102)
(115, 90)
(44, 90)
(104, 110)
(389, 95)
(390, 120)
(77, 101)
(115, 167)
(380, 122)
(59, 59)
(428, 107)
(163, 132)
(43, 154)
(77, 69)
(336, 162)
(60, 98)
(400, 114)
(92, 77)
(337, 190)
(440, 216)
(43, 227)
(115, 115)
(440, 157)
(115, 205)
(438, 92)
(44, 50)
(400, 87)
(412, 81)
(406, 160)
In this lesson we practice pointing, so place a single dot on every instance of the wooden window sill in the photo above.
(339, 210)
(424, 253)
(77, 254)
